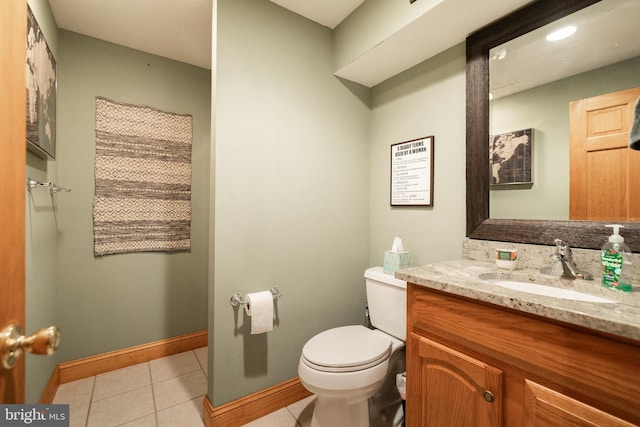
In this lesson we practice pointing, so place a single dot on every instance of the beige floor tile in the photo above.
(202, 356)
(121, 380)
(165, 392)
(75, 393)
(188, 413)
(280, 418)
(180, 389)
(78, 415)
(303, 410)
(148, 421)
(121, 408)
(173, 366)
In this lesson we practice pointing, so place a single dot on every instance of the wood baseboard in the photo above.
(253, 406)
(106, 362)
(51, 388)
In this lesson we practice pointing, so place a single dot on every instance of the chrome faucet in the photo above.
(564, 255)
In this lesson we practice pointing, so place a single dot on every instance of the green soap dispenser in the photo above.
(616, 262)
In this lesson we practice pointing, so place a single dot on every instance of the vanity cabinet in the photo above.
(476, 364)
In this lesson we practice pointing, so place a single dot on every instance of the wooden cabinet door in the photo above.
(449, 388)
(546, 407)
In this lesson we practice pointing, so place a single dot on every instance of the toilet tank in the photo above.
(387, 301)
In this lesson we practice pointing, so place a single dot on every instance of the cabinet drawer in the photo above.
(546, 407)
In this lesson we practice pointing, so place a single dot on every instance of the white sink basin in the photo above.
(548, 291)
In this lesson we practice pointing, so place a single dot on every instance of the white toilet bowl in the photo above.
(344, 367)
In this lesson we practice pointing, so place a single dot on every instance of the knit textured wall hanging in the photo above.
(142, 179)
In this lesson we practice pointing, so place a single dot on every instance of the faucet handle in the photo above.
(562, 248)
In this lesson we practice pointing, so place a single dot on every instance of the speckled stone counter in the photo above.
(469, 278)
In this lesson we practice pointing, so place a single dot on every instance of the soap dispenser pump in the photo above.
(616, 262)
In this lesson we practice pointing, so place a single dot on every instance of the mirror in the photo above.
(532, 82)
(583, 234)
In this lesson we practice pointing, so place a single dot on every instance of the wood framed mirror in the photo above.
(580, 234)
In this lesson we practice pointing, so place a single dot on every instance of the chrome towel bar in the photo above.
(53, 187)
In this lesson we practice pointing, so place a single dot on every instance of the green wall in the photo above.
(428, 99)
(314, 211)
(290, 187)
(104, 304)
(299, 179)
(117, 301)
(291, 205)
(41, 238)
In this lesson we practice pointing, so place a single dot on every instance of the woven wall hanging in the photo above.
(142, 179)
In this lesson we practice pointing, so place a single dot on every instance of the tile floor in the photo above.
(164, 392)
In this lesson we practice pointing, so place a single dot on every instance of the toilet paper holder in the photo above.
(237, 299)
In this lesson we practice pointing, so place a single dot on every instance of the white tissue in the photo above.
(260, 308)
(397, 245)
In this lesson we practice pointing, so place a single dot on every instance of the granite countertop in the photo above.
(467, 278)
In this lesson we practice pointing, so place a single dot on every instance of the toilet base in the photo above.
(385, 406)
(330, 412)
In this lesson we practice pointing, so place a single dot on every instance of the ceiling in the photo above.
(175, 29)
(181, 30)
(326, 12)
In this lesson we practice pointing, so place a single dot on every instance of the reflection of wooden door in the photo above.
(13, 22)
(604, 172)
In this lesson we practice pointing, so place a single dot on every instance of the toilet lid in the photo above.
(347, 348)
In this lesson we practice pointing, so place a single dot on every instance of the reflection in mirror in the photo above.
(581, 234)
(532, 83)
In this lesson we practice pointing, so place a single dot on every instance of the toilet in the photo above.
(347, 365)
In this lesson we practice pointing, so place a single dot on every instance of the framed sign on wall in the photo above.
(412, 172)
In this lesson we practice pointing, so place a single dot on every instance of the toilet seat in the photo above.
(346, 349)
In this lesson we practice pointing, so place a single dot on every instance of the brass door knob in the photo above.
(13, 343)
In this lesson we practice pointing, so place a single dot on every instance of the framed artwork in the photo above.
(41, 92)
(510, 158)
(412, 172)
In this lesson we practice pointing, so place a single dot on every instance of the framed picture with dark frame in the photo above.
(510, 159)
(412, 172)
(41, 92)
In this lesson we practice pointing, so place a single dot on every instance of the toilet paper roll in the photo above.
(260, 308)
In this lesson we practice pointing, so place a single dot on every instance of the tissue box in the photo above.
(395, 261)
